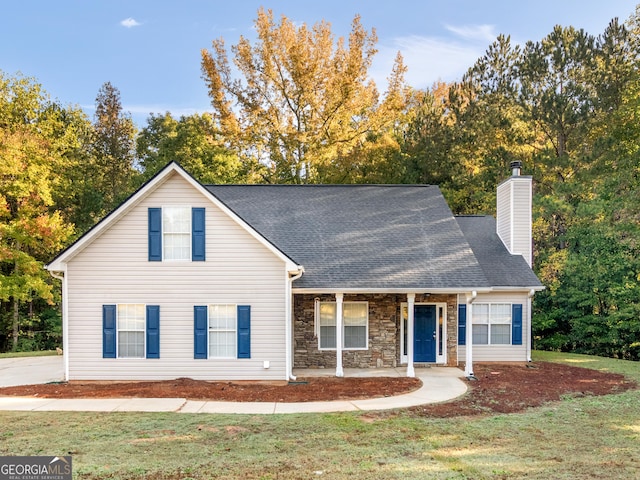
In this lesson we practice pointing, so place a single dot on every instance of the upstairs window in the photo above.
(176, 233)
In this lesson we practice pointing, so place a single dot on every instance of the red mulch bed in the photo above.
(303, 390)
(499, 388)
(509, 388)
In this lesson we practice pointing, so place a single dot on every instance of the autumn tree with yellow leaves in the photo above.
(305, 100)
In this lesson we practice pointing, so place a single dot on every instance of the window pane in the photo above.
(327, 336)
(222, 344)
(355, 337)
(176, 219)
(480, 334)
(131, 317)
(355, 314)
(501, 313)
(177, 246)
(481, 313)
(222, 331)
(222, 317)
(131, 344)
(500, 334)
(327, 313)
(131, 328)
(176, 226)
(355, 324)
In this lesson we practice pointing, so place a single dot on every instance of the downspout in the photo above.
(289, 326)
(468, 364)
(65, 321)
(530, 327)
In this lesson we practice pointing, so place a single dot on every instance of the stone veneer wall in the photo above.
(384, 331)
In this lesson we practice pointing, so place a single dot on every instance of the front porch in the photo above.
(378, 341)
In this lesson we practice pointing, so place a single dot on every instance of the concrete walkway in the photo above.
(438, 384)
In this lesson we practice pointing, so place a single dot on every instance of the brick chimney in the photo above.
(513, 217)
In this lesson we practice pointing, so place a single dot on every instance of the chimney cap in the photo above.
(515, 168)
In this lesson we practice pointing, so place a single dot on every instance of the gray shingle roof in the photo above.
(500, 267)
(362, 236)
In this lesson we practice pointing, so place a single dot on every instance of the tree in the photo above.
(194, 142)
(487, 131)
(113, 148)
(305, 101)
(31, 155)
(558, 94)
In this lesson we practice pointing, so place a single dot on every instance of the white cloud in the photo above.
(430, 59)
(130, 23)
(482, 33)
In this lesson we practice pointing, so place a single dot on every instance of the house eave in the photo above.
(434, 291)
(391, 290)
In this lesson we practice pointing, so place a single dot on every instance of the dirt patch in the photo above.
(499, 388)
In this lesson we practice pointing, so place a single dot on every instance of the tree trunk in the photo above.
(16, 323)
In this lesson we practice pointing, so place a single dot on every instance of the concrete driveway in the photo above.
(31, 370)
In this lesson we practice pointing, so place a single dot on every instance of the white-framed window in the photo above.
(491, 324)
(176, 233)
(355, 325)
(223, 331)
(131, 323)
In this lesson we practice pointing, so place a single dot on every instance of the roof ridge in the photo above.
(313, 185)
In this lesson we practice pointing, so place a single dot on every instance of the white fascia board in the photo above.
(435, 291)
(391, 290)
(538, 288)
(58, 263)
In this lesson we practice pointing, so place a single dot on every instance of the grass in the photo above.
(587, 437)
(40, 353)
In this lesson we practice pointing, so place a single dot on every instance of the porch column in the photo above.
(468, 363)
(339, 370)
(411, 301)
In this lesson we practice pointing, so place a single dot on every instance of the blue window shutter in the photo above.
(155, 234)
(197, 234)
(108, 331)
(462, 324)
(244, 331)
(153, 331)
(516, 324)
(200, 324)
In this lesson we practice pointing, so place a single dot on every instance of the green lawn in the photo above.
(41, 353)
(577, 438)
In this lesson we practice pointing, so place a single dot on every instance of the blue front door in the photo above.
(424, 333)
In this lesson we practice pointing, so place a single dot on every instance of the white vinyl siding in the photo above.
(513, 219)
(114, 269)
(499, 352)
(355, 325)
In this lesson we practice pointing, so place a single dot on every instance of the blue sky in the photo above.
(150, 49)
